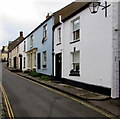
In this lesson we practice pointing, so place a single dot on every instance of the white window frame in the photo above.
(75, 65)
(75, 35)
(59, 36)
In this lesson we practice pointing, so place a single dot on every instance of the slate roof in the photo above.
(14, 43)
(69, 11)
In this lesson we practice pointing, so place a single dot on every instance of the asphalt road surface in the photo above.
(31, 100)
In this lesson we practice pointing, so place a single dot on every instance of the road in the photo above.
(31, 100)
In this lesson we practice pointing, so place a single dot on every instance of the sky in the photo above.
(24, 15)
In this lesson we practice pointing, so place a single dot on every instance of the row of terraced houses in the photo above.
(74, 45)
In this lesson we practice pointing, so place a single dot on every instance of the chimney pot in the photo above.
(47, 16)
(21, 34)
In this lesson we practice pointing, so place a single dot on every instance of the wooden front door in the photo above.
(59, 65)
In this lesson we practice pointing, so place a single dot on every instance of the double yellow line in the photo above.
(7, 103)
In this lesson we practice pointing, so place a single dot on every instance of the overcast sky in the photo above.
(24, 15)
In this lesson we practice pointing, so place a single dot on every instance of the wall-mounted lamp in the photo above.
(94, 6)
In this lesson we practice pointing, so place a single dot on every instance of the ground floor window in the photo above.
(75, 71)
(44, 59)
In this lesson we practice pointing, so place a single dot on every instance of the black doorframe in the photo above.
(58, 65)
(20, 63)
(15, 62)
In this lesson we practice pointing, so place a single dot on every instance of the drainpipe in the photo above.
(53, 50)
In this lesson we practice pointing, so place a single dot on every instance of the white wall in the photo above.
(95, 47)
(23, 53)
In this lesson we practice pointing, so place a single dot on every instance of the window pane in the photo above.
(76, 25)
(77, 34)
(59, 35)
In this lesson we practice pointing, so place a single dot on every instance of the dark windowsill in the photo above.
(58, 44)
(74, 73)
(44, 39)
(74, 41)
(44, 66)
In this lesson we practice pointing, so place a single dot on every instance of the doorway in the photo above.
(20, 63)
(58, 65)
(14, 62)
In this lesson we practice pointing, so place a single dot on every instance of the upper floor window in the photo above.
(44, 33)
(24, 46)
(76, 29)
(31, 41)
(59, 35)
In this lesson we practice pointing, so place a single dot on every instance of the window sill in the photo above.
(74, 74)
(58, 44)
(44, 68)
(43, 40)
(74, 41)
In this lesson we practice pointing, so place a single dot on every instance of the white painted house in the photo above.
(22, 54)
(86, 48)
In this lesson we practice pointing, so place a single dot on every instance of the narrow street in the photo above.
(31, 100)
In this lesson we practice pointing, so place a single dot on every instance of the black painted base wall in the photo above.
(93, 88)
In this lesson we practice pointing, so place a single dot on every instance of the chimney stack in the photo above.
(47, 16)
(21, 34)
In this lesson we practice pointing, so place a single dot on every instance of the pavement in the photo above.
(103, 102)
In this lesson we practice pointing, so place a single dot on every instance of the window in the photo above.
(31, 41)
(59, 35)
(44, 33)
(24, 46)
(75, 63)
(44, 59)
(24, 62)
(38, 61)
(76, 29)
